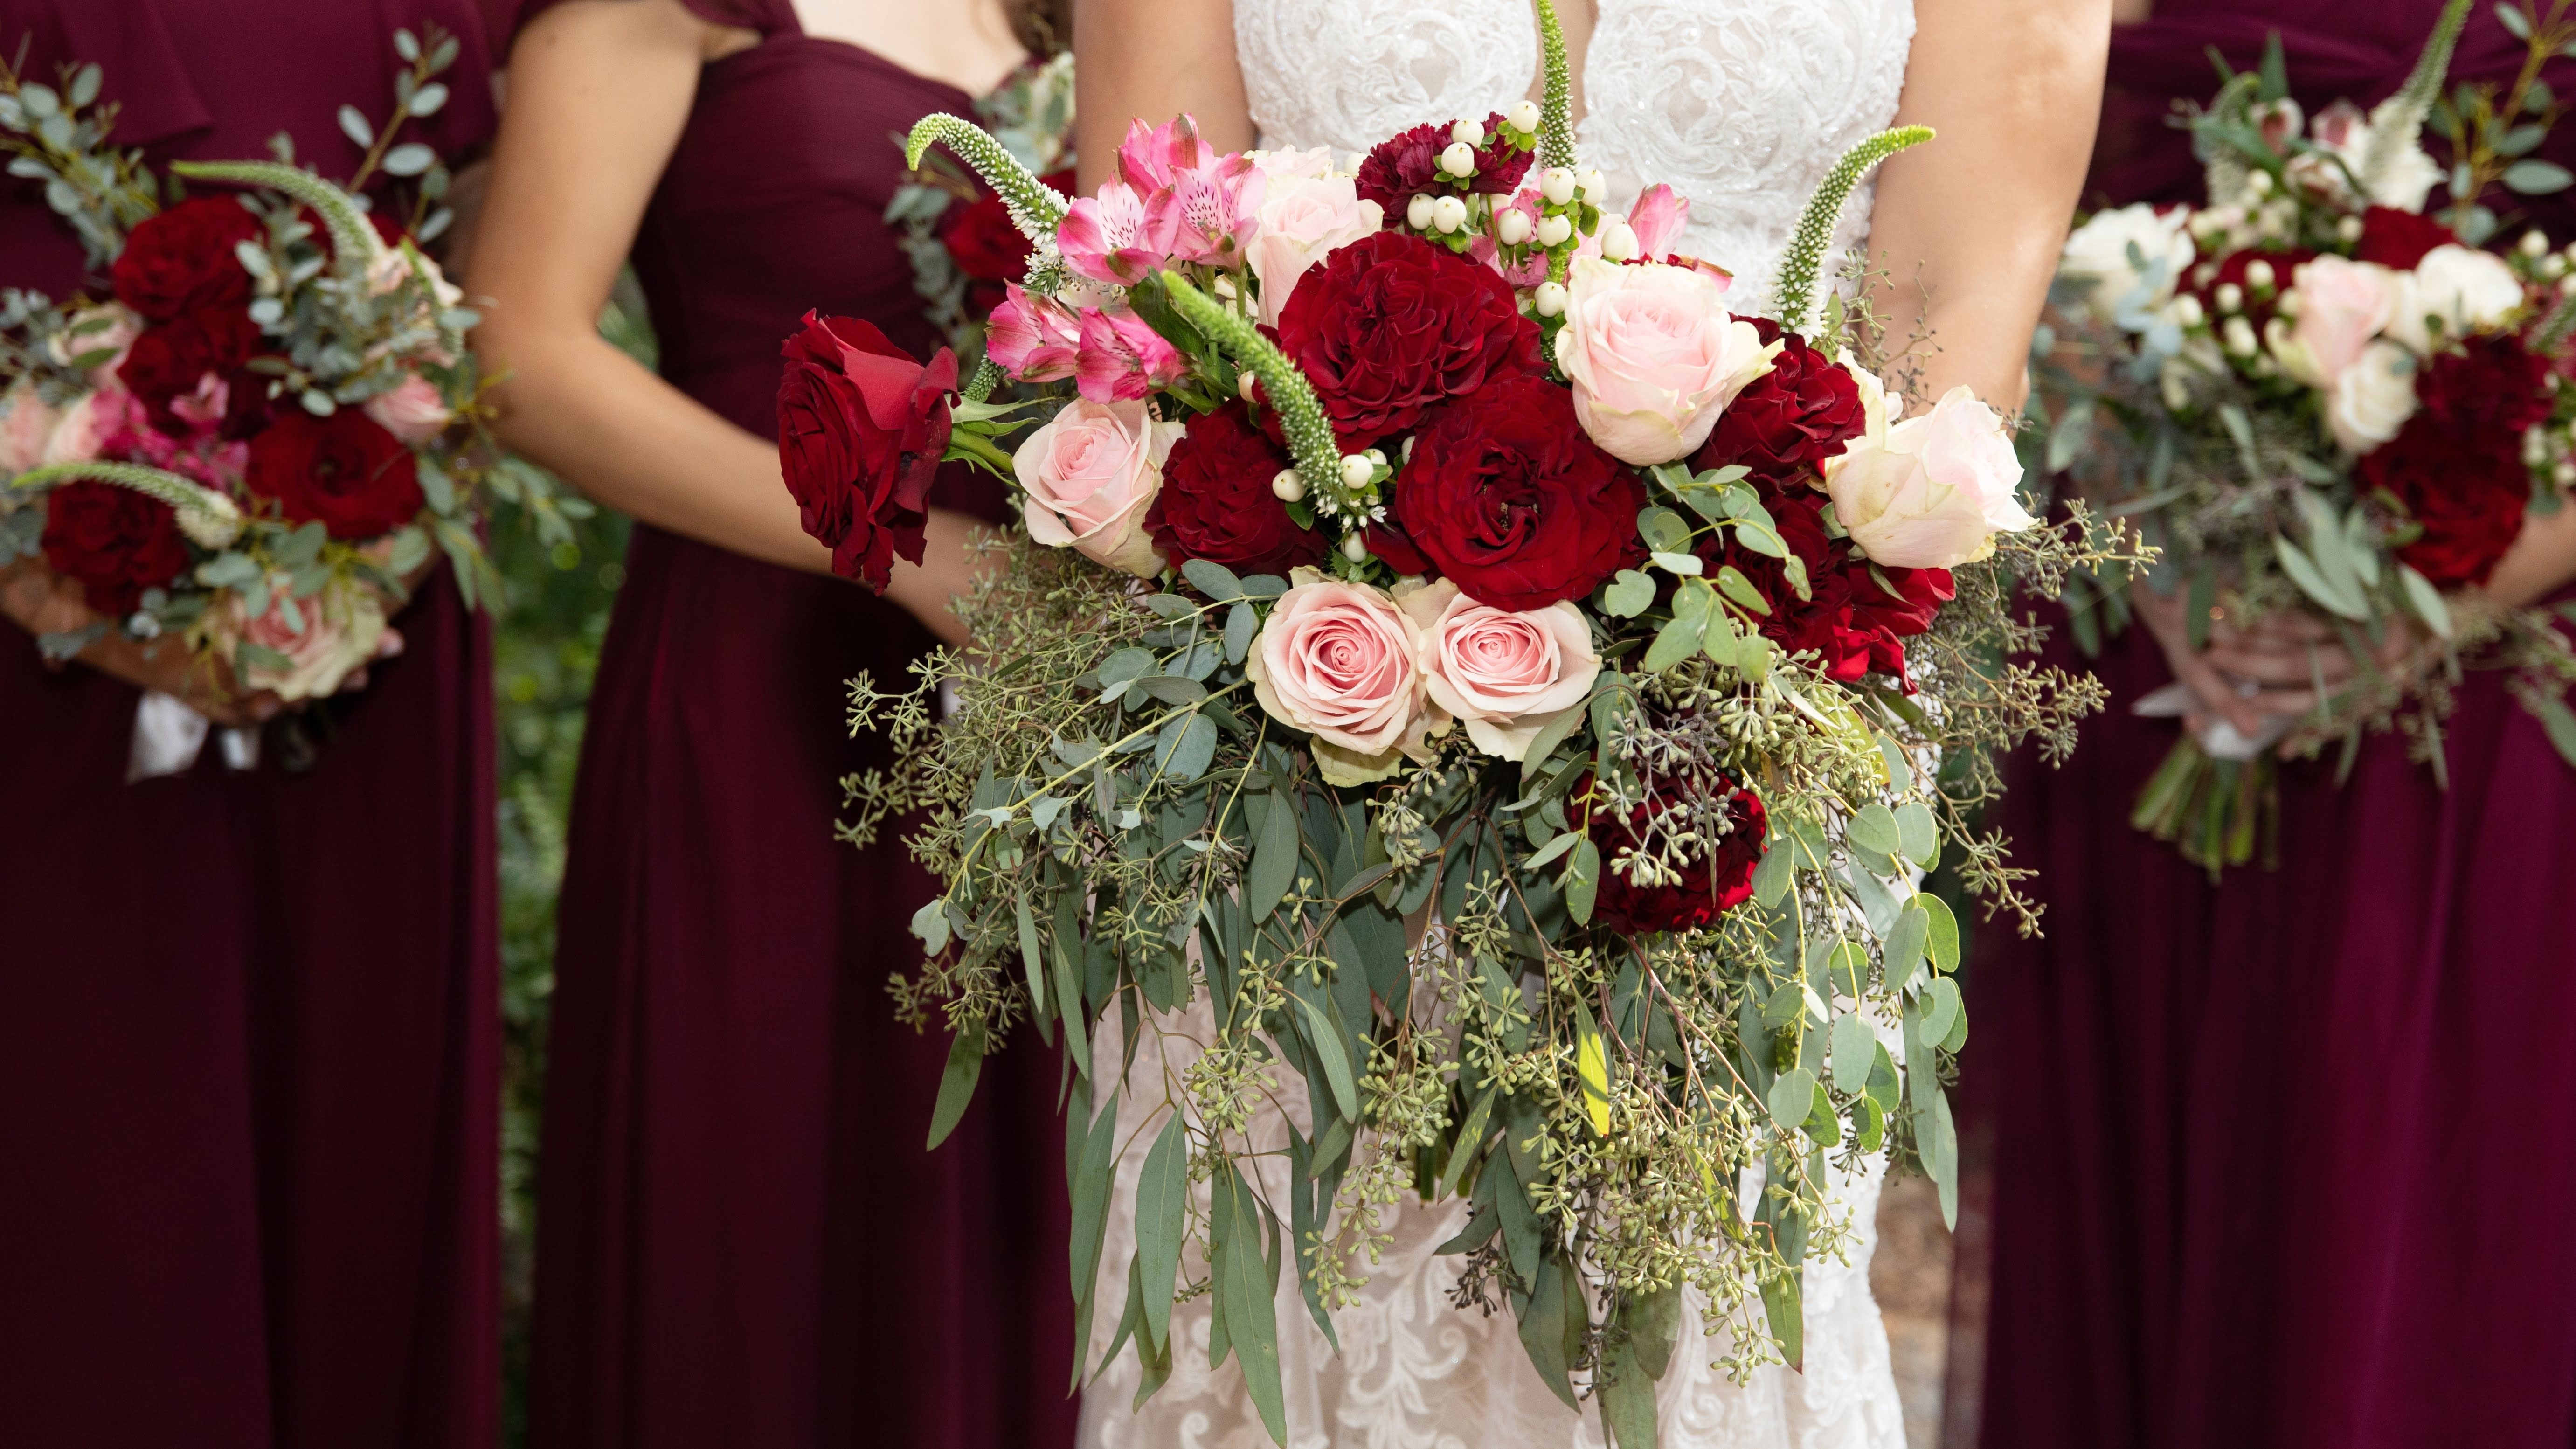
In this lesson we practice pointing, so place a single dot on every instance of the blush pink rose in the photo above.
(2342, 305)
(334, 633)
(1654, 357)
(26, 426)
(1929, 492)
(86, 426)
(110, 328)
(1306, 211)
(1505, 676)
(1089, 475)
(1342, 662)
(412, 411)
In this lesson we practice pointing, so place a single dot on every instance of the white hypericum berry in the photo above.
(2564, 475)
(1377, 456)
(2229, 297)
(1459, 159)
(1417, 212)
(1407, 454)
(1468, 133)
(2348, 230)
(1553, 230)
(2258, 272)
(2535, 447)
(1448, 214)
(1618, 239)
(2260, 183)
(1288, 486)
(1524, 117)
(1549, 298)
(2240, 337)
(1512, 228)
(2289, 304)
(1354, 548)
(2187, 313)
(1557, 185)
(2534, 245)
(2204, 274)
(2553, 266)
(1595, 186)
(1357, 470)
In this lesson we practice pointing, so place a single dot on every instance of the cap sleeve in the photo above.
(768, 17)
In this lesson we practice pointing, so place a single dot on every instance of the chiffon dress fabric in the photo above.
(2285, 1162)
(741, 1239)
(249, 1021)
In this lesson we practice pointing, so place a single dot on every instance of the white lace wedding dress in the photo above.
(1742, 106)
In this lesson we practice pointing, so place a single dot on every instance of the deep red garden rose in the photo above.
(1787, 422)
(1391, 325)
(1852, 621)
(2397, 239)
(861, 429)
(1710, 886)
(982, 241)
(116, 541)
(1505, 495)
(1408, 164)
(1216, 502)
(2456, 467)
(169, 360)
(344, 471)
(1394, 548)
(182, 260)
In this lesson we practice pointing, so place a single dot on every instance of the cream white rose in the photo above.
(2341, 306)
(2371, 399)
(1089, 475)
(1505, 676)
(1654, 357)
(2463, 289)
(1927, 492)
(2099, 249)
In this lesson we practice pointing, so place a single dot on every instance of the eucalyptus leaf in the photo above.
(1792, 1097)
(1629, 594)
(1212, 579)
(1162, 1205)
(1874, 828)
(1855, 1052)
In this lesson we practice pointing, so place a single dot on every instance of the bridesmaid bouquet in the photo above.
(273, 422)
(1504, 679)
(2325, 400)
(957, 231)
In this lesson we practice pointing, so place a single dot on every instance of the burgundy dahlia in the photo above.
(1408, 164)
(1787, 422)
(1720, 879)
(1390, 326)
(1216, 502)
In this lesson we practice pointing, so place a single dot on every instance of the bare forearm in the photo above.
(2542, 561)
(1968, 227)
(1153, 60)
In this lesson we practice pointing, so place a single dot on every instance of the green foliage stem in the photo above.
(206, 515)
(2399, 121)
(1034, 206)
(353, 242)
(1806, 254)
(1556, 103)
(1301, 416)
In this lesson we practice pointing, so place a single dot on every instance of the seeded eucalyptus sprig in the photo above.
(206, 516)
(1301, 416)
(1034, 206)
(1556, 102)
(1806, 254)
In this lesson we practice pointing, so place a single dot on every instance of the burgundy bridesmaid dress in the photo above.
(741, 1239)
(249, 1021)
(2285, 1163)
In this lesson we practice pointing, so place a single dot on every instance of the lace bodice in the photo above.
(1740, 105)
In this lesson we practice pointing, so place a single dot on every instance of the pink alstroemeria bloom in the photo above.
(1122, 359)
(1212, 212)
(1034, 339)
(1658, 219)
(1114, 237)
(1152, 156)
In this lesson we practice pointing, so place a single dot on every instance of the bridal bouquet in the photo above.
(1495, 667)
(273, 422)
(2325, 400)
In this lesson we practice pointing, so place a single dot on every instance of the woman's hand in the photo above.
(1968, 227)
(41, 602)
(2265, 674)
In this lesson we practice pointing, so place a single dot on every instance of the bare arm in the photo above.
(1154, 59)
(599, 93)
(1974, 221)
(2542, 561)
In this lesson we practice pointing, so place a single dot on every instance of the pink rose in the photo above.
(1120, 359)
(26, 427)
(1505, 676)
(1089, 475)
(1306, 211)
(81, 435)
(2342, 305)
(412, 410)
(1341, 662)
(334, 632)
(1929, 492)
(110, 328)
(1654, 357)
(1033, 339)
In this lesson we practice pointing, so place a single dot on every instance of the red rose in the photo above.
(982, 241)
(1394, 548)
(1406, 165)
(1849, 618)
(182, 260)
(2397, 239)
(116, 541)
(2456, 467)
(170, 359)
(1216, 502)
(1791, 419)
(861, 430)
(1506, 496)
(1729, 817)
(1390, 325)
(344, 471)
